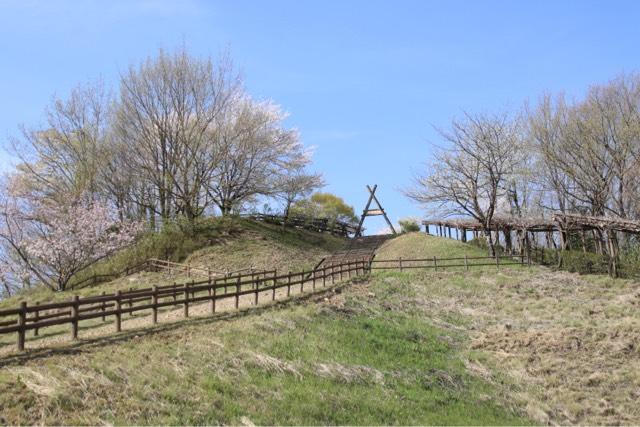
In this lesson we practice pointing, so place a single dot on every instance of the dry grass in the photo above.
(572, 342)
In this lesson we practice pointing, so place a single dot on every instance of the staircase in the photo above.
(358, 248)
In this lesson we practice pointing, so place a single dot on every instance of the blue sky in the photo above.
(365, 82)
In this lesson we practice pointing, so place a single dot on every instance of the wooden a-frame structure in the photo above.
(373, 212)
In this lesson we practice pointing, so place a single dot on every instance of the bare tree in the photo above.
(168, 106)
(296, 185)
(63, 158)
(469, 177)
(254, 151)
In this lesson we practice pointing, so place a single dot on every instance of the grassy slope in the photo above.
(422, 245)
(365, 355)
(261, 245)
(420, 347)
(568, 344)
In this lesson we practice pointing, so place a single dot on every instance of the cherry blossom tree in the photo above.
(52, 242)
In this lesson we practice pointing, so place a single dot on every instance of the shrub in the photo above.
(408, 225)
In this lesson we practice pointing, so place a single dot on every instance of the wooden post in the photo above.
(466, 263)
(104, 307)
(154, 301)
(275, 283)
(257, 284)
(37, 317)
(130, 302)
(186, 299)
(435, 264)
(289, 284)
(301, 282)
(118, 310)
(213, 299)
(313, 286)
(400, 262)
(74, 317)
(324, 276)
(237, 292)
(22, 320)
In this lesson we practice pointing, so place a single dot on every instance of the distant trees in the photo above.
(325, 205)
(554, 156)
(471, 175)
(179, 138)
(409, 225)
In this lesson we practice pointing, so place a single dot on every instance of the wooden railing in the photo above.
(37, 316)
(99, 278)
(443, 264)
(322, 225)
(154, 264)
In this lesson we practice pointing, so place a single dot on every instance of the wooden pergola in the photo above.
(604, 231)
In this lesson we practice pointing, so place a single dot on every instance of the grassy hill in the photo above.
(217, 243)
(568, 344)
(422, 245)
(518, 345)
(358, 355)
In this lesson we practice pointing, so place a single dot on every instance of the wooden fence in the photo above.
(35, 317)
(321, 225)
(94, 279)
(443, 264)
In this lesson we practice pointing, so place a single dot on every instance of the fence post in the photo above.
(118, 310)
(324, 276)
(273, 293)
(174, 292)
(333, 279)
(154, 301)
(237, 292)
(213, 300)
(130, 302)
(435, 264)
(186, 299)
(257, 284)
(104, 307)
(22, 320)
(74, 315)
(37, 317)
(302, 282)
(466, 263)
(289, 284)
(400, 262)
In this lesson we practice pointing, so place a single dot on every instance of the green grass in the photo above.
(366, 355)
(422, 245)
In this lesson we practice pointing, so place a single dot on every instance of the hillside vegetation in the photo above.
(364, 354)
(519, 345)
(569, 344)
(422, 245)
(218, 243)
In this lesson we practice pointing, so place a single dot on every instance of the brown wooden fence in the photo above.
(35, 317)
(443, 264)
(321, 225)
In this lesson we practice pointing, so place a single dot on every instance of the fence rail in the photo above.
(436, 263)
(322, 225)
(38, 316)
